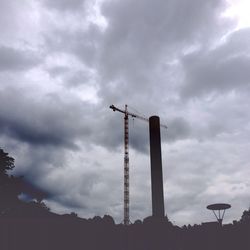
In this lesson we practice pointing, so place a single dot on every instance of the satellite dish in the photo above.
(219, 210)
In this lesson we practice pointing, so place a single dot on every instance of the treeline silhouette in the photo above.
(31, 225)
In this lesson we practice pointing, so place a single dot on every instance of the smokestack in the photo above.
(156, 167)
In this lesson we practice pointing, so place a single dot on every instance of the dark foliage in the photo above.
(245, 218)
(11, 187)
(61, 232)
(6, 162)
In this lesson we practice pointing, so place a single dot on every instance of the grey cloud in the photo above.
(178, 128)
(45, 178)
(236, 43)
(111, 135)
(109, 129)
(87, 44)
(79, 78)
(139, 137)
(18, 27)
(220, 70)
(71, 77)
(84, 192)
(37, 163)
(12, 59)
(73, 190)
(83, 44)
(64, 5)
(141, 33)
(51, 173)
(58, 71)
(139, 36)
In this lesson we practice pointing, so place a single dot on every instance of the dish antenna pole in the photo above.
(219, 210)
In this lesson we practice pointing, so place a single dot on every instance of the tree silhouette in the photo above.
(6, 163)
(245, 218)
(9, 185)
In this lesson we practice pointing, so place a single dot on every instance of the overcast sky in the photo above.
(63, 62)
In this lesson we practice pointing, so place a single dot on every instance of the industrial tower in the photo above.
(156, 167)
(126, 159)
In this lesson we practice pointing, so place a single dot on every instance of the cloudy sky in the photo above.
(62, 63)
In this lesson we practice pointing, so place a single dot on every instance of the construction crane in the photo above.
(126, 220)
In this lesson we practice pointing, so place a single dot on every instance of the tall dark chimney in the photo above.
(156, 167)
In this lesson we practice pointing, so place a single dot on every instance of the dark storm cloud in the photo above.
(12, 59)
(222, 69)
(48, 121)
(32, 191)
(50, 174)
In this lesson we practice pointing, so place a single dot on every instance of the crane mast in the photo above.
(126, 219)
(126, 168)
